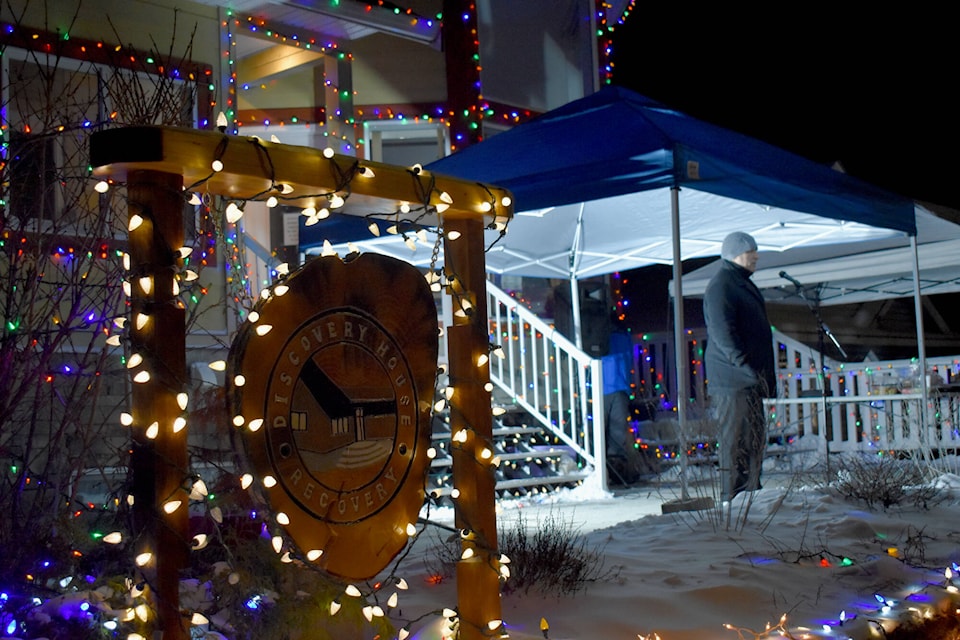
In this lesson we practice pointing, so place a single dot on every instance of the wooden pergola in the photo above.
(156, 163)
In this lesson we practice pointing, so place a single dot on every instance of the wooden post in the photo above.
(478, 578)
(158, 464)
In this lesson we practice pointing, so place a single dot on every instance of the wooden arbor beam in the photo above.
(253, 168)
(155, 161)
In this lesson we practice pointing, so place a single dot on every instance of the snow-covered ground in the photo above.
(833, 567)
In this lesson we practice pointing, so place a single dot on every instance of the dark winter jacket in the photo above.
(739, 340)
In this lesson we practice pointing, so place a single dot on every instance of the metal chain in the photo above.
(436, 246)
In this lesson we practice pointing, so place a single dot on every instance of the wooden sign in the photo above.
(332, 380)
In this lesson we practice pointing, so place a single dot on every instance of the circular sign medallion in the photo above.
(335, 404)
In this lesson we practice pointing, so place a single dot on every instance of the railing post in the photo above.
(599, 449)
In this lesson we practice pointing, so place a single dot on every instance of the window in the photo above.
(406, 144)
(51, 105)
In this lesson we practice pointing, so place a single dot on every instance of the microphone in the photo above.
(786, 276)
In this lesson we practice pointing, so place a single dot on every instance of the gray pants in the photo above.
(616, 407)
(743, 439)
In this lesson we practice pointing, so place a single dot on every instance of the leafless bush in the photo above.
(62, 385)
(441, 562)
(945, 625)
(552, 558)
(885, 481)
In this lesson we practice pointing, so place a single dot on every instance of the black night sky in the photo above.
(875, 90)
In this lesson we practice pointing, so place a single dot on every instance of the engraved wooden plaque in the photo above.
(336, 388)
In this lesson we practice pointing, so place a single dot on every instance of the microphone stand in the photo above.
(822, 330)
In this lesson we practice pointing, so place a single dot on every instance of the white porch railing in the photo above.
(874, 406)
(869, 406)
(549, 377)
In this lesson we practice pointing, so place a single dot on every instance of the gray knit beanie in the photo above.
(736, 243)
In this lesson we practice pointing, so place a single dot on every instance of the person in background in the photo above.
(617, 377)
(739, 364)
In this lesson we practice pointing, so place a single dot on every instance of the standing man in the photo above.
(739, 364)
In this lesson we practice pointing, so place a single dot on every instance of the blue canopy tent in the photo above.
(618, 142)
(594, 174)
(598, 186)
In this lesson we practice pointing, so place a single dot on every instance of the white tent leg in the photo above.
(599, 411)
(921, 346)
(574, 283)
(679, 343)
(575, 311)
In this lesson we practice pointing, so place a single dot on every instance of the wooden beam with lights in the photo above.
(252, 166)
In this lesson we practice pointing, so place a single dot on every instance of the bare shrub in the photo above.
(62, 386)
(553, 558)
(885, 481)
(441, 562)
(945, 625)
